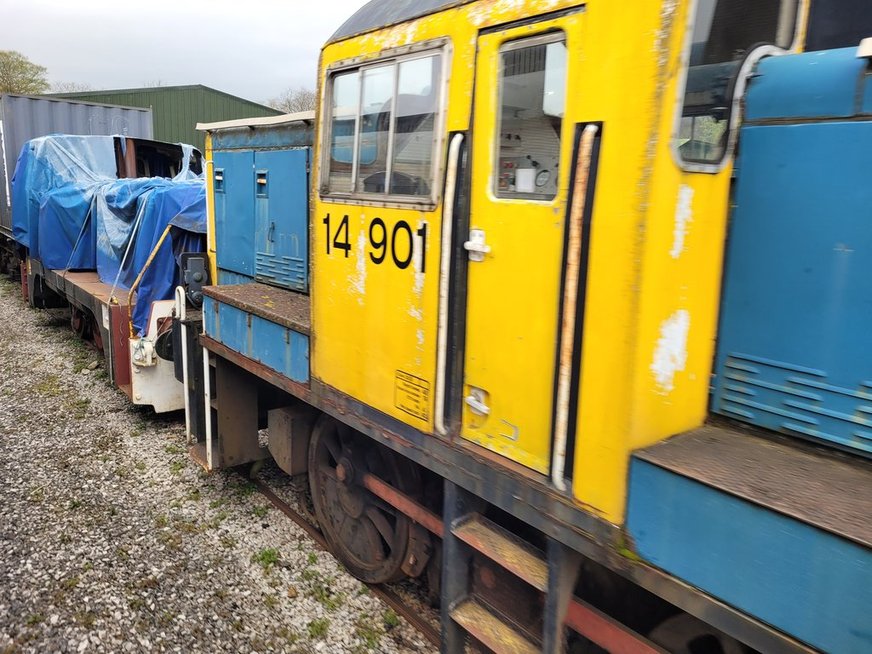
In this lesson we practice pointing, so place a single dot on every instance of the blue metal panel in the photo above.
(804, 581)
(866, 100)
(281, 217)
(810, 85)
(275, 346)
(794, 348)
(210, 317)
(280, 348)
(228, 277)
(234, 202)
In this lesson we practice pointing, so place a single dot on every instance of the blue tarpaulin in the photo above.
(70, 168)
(71, 212)
(132, 214)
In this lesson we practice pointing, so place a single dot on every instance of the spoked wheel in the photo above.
(370, 537)
(684, 634)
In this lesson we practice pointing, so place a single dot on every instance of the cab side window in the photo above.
(382, 128)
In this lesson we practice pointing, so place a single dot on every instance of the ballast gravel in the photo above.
(113, 540)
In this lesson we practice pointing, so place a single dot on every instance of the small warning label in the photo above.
(412, 395)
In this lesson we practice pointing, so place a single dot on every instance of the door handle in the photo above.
(271, 233)
(475, 402)
(476, 245)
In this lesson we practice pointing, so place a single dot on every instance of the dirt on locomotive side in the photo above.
(113, 540)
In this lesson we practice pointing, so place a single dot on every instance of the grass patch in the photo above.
(266, 558)
(79, 408)
(260, 511)
(318, 628)
(271, 601)
(391, 619)
(49, 386)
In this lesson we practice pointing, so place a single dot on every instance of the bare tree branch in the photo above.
(293, 100)
(70, 87)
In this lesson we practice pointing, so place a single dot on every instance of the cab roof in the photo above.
(384, 13)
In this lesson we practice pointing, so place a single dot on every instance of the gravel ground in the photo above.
(113, 540)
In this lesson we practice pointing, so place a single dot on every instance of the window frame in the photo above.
(737, 85)
(395, 57)
(519, 43)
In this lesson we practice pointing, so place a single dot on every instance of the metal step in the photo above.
(515, 555)
(489, 630)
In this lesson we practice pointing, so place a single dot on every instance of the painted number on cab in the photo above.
(386, 242)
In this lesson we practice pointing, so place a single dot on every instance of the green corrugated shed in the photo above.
(178, 109)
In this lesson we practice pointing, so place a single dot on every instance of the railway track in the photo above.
(381, 591)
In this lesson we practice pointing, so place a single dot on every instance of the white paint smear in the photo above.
(358, 279)
(670, 355)
(683, 218)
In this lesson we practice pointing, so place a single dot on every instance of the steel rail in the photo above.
(384, 593)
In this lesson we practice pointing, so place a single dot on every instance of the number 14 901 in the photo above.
(397, 241)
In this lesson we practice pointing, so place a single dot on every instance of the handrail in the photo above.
(570, 295)
(444, 276)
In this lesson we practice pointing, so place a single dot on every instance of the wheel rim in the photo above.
(370, 537)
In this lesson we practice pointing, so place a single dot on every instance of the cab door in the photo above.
(521, 150)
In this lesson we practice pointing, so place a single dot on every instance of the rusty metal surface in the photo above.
(832, 493)
(403, 503)
(490, 630)
(504, 548)
(607, 632)
(287, 308)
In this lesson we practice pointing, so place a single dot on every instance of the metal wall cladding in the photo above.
(178, 109)
(26, 117)
(794, 348)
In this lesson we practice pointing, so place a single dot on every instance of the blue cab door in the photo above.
(281, 192)
(234, 200)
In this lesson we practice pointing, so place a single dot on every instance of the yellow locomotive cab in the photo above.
(518, 83)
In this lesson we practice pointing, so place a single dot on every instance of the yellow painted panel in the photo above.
(374, 325)
(513, 295)
(209, 167)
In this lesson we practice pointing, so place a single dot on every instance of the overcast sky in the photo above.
(251, 48)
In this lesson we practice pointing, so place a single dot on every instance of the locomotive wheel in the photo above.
(684, 634)
(370, 537)
(80, 323)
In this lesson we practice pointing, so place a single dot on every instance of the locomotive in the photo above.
(562, 306)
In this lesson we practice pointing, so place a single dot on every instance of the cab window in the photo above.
(723, 33)
(532, 95)
(382, 124)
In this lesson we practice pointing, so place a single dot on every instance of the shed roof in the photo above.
(158, 90)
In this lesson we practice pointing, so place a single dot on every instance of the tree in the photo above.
(20, 75)
(292, 100)
(70, 87)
